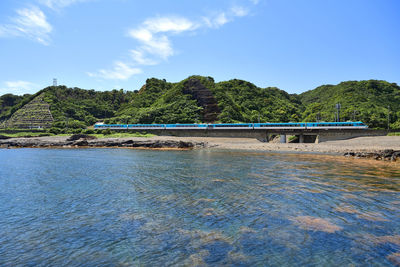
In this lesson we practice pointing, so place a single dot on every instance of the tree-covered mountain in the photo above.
(159, 101)
(199, 99)
(9, 103)
(367, 101)
(192, 100)
(70, 107)
(242, 101)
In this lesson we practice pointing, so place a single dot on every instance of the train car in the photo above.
(186, 126)
(111, 126)
(271, 125)
(231, 126)
(146, 126)
(237, 126)
(336, 125)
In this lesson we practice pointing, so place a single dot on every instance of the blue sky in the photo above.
(295, 45)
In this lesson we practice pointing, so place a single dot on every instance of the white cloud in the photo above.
(153, 36)
(17, 87)
(219, 19)
(140, 58)
(154, 45)
(120, 71)
(169, 24)
(239, 11)
(31, 23)
(154, 40)
(255, 2)
(57, 4)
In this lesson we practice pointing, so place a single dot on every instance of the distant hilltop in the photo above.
(199, 99)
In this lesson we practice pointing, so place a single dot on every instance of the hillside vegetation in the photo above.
(199, 99)
(367, 101)
(10, 103)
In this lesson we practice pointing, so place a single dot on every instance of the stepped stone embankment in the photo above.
(205, 99)
(35, 114)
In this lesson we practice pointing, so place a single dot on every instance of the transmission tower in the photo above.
(54, 82)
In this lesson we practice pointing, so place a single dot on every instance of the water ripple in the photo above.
(118, 207)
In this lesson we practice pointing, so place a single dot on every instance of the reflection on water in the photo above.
(196, 208)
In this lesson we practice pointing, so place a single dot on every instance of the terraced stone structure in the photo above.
(205, 99)
(36, 114)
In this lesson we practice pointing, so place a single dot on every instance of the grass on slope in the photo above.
(26, 134)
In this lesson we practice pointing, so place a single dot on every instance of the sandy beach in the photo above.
(359, 144)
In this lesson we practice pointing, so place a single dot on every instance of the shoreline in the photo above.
(377, 147)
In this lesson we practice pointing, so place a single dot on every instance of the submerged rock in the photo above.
(315, 224)
(394, 258)
(197, 259)
(394, 239)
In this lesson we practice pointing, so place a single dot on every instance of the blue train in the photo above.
(232, 126)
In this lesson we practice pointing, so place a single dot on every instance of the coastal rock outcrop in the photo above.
(86, 142)
(387, 154)
(75, 137)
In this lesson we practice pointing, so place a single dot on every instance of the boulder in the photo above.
(81, 142)
(75, 137)
(387, 153)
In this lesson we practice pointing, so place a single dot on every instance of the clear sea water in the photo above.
(123, 207)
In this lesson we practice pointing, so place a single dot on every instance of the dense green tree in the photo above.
(367, 101)
(242, 101)
(159, 101)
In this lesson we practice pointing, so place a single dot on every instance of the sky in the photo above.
(295, 45)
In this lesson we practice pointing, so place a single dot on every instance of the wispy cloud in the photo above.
(154, 46)
(17, 87)
(120, 71)
(239, 11)
(58, 4)
(140, 58)
(255, 2)
(29, 22)
(154, 39)
(221, 18)
(153, 36)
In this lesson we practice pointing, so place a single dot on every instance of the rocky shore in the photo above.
(382, 148)
(89, 141)
(387, 154)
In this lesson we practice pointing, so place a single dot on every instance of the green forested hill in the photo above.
(75, 107)
(239, 101)
(200, 99)
(242, 101)
(367, 101)
(159, 101)
(9, 103)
